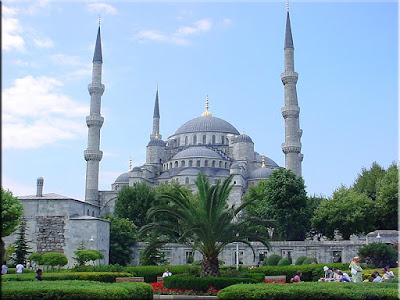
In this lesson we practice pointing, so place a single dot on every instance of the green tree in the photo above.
(21, 243)
(11, 213)
(53, 259)
(84, 256)
(348, 212)
(282, 198)
(36, 258)
(378, 254)
(387, 195)
(134, 202)
(123, 235)
(367, 181)
(206, 225)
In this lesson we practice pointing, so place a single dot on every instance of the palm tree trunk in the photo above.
(210, 266)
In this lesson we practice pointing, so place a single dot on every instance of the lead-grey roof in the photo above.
(207, 124)
(156, 113)
(288, 33)
(156, 142)
(97, 50)
(123, 178)
(193, 171)
(268, 161)
(197, 152)
(261, 173)
(243, 138)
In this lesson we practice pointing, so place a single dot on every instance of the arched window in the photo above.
(177, 180)
(187, 180)
(186, 140)
(179, 141)
(204, 139)
(194, 139)
(198, 163)
(220, 164)
(213, 140)
(93, 213)
(213, 164)
(166, 181)
(182, 163)
(222, 140)
(206, 163)
(88, 213)
(190, 163)
(170, 165)
(176, 164)
(225, 165)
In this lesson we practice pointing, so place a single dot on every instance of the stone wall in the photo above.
(50, 234)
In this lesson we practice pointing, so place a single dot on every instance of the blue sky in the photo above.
(345, 54)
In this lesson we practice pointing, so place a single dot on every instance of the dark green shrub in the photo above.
(49, 290)
(300, 260)
(150, 273)
(91, 276)
(84, 256)
(99, 268)
(36, 258)
(203, 283)
(284, 262)
(310, 290)
(53, 259)
(13, 271)
(378, 254)
(273, 259)
(309, 261)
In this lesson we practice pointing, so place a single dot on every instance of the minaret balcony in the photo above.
(94, 120)
(291, 147)
(96, 89)
(290, 111)
(96, 155)
(289, 77)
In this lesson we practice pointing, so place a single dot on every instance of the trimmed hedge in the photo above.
(310, 290)
(99, 268)
(300, 260)
(273, 259)
(150, 273)
(310, 272)
(309, 261)
(284, 262)
(203, 283)
(75, 290)
(93, 276)
(13, 271)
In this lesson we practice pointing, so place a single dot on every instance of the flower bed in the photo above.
(159, 289)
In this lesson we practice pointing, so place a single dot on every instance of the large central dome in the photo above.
(206, 124)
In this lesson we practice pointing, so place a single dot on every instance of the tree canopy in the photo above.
(367, 181)
(11, 212)
(281, 198)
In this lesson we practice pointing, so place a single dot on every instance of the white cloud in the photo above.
(35, 114)
(18, 188)
(66, 60)
(102, 8)
(179, 37)
(43, 42)
(11, 30)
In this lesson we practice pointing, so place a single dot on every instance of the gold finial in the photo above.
(287, 5)
(130, 163)
(156, 136)
(263, 161)
(206, 113)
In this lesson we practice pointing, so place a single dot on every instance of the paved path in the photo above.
(182, 297)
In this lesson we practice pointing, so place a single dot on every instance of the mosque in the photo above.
(205, 144)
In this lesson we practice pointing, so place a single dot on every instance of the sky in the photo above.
(346, 55)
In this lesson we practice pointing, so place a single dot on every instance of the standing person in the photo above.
(356, 270)
(166, 273)
(39, 273)
(19, 268)
(4, 268)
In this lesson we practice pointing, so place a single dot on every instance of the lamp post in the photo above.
(237, 252)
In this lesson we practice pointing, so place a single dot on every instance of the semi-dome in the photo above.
(156, 142)
(243, 138)
(261, 173)
(123, 178)
(206, 124)
(197, 152)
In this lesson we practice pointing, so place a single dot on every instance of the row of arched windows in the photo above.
(197, 163)
(195, 140)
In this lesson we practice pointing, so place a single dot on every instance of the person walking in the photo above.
(356, 270)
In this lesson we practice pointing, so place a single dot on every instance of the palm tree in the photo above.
(207, 223)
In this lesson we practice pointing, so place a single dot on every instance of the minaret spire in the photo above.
(207, 112)
(94, 121)
(290, 112)
(156, 119)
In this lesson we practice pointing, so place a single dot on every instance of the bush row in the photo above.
(310, 272)
(310, 290)
(13, 271)
(92, 276)
(150, 273)
(203, 283)
(75, 290)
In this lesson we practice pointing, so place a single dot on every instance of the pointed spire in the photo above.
(206, 113)
(156, 113)
(97, 50)
(288, 32)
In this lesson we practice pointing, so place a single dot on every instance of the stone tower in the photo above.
(290, 112)
(156, 119)
(94, 122)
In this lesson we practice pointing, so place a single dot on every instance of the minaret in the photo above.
(94, 122)
(290, 112)
(156, 120)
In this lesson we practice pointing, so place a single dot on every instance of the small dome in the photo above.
(123, 178)
(261, 173)
(268, 161)
(156, 142)
(136, 169)
(197, 152)
(206, 124)
(235, 166)
(243, 138)
(223, 172)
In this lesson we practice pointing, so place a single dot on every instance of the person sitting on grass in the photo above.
(328, 274)
(344, 277)
(39, 273)
(390, 273)
(376, 277)
(385, 275)
(336, 276)
(297, 277)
